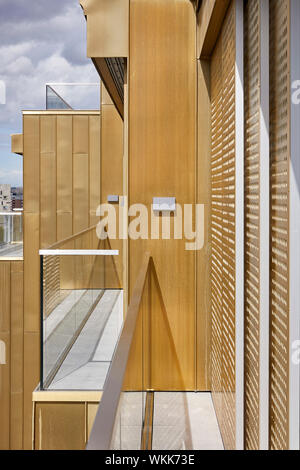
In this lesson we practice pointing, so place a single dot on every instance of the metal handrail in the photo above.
(76, 252)
(11, 213)
(71, 237)
(102, 431)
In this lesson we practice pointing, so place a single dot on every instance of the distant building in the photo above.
(5, 197)
(17, 198)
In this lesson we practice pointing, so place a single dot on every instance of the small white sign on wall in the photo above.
(2, 353)
(164, 204)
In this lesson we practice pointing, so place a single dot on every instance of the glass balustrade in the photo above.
(76, 96)
(11, 234)
(81, 317)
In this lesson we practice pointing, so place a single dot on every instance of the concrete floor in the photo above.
(13, 250)
(58, 315)
(88, 361)
(185, 421)
(181, 421)
(63, 324)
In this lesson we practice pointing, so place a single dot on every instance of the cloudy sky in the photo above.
(40, 41)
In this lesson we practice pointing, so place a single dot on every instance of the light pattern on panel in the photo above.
(51, 283)
(252, 211)
(216, 224)
(228, 232)
(279, 174)
(223, 228)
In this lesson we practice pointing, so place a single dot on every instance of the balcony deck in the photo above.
(88, 360)
(11, 250)
(181, 421)
(196, 425)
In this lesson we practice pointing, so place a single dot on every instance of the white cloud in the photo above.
(8, 54)
(41, 41)
(21, 66)
(44, 50)
(5, 174)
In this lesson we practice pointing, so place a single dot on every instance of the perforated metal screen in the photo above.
(279, 242)
(51, 283)
(223, 228)
(252, 222)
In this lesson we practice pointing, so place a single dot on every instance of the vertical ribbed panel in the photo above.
(223, 228)
(216, 224)
(252, 214)
(279, 174)
(228, 232)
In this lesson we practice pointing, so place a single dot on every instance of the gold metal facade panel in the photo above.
(279, 263)
(63, 419)
(17, 143)
(112, 170)
(64, 158)
(80, 135)
(92, 409)
(31, 271)
(5, 393)
(48, 183)
(252, 214)
(17, 328)
(80, 173)
(31, 380)
(111, 152)
(105, 98)
(11, 372)
(31, 164)
(209, 22)
(5, 297)
(80, 192)
(203, 274)
(203, 21)
(17, 356)
(60, 426)
(16, 420)
(60, 149)
(94, 167)
(107, 27)
(223, 228)
(5, 286)
(162, 152)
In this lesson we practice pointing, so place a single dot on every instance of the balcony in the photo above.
(114, 374)
(81, 313)
(136, 411)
